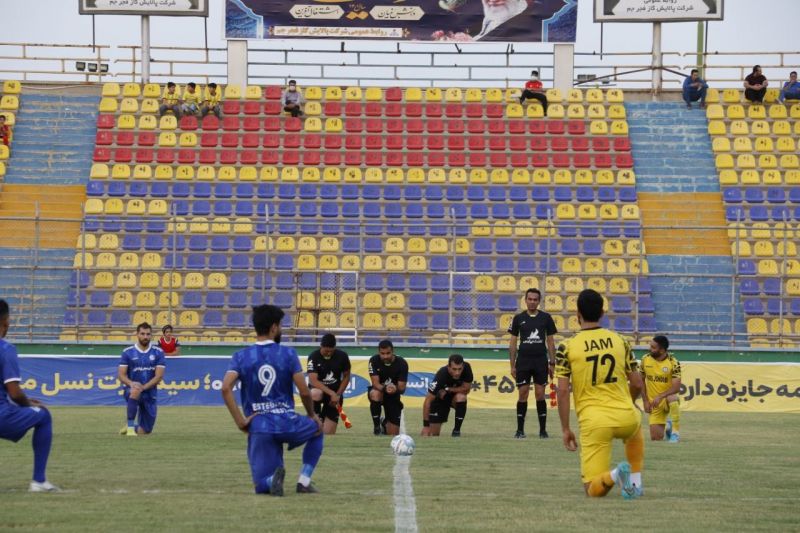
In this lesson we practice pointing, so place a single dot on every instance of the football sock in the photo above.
(375, 411)
(42, 438)
(263, 486)
(600, 485)
(461, 411)
(522, 408)
(318, 408)
(541, 409)
(634, 451)
(675, 415)
(312, 451)
(133, 406)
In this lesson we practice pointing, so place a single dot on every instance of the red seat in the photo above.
(353, 142)
(374, 125)
(311, 158)
(559, 144)
(353, 125)
(272, 108)
(414, 109)
(576, 127)
(290, 157)
(374, 142)
(312, 141)
(209, 140)
(394, 94)
(433, 110)
(208, 157)
(144, 155)
(516, 127)
(436, 159)
(332, 158)
(102, 155)
(228, 157)
(291, 140)
(374, 109)
(123, 155)
(292, 124)
(477, 144)
(251, 140)
(537, 127)
(231, 124)
(496, 127)
(413, 159)
(165, 156)
(580, 144)
(333, 142)
(188, 123)
(623, 161)
(187, 156)
(273, 92)
(253, 108)
(601, 144)
(394, 142)
(104, 138)
(393, 110)
(474, 110)
(353, 159)
(456, 159)
(231, 107)
(477, 160)
(210, 123)
(251, 124)
(555, 127)
(495, 110)
(455, 143)
(415, 142)
(375, 159)
(270, 157)
(105, 121)
(249, 157)
(540, 161)
(519, 160)
(394, 126)
(230, 140)
(518, 144)
(435, 142)
(602, 161)
(539, 144)
(585, 161)
(497, 143)
(333, 109)
(124, 138)
(454, 110)
(622, 144)
(455, 127)
(146, 138)
(415, 125)
(562, 161)
(434, 125)
(272, 124)
(498, 160)
(352, 109)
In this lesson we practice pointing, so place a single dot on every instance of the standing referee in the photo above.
(532, 354)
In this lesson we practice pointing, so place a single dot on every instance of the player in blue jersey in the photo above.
(267, 371)
(141, 369)
(18, 413)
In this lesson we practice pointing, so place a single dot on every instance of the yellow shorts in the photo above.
(596, 442)
(658, 415)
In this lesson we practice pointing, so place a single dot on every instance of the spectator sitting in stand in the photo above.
(791, 89)
(170, 101)
(292, 99)
(211, 100)
(533, 89)
(191, 99)
(694, 89)
(755, 86)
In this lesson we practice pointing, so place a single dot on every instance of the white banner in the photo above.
(197, 8)
(657, 10)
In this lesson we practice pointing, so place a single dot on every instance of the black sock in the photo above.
(461, 411)
(541, 408)
(522, 408)
(318, 408)
(375, 411)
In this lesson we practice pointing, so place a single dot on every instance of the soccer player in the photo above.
(267, 371)
(18, 413)
(389, 374)
(449, 388)
(328, 376)
(141, 369)
(533, 331)
(661, 376)
(599, 362)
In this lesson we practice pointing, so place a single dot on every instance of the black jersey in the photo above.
(532, 332)
(329, 371)
(443, 379)
(393, 373)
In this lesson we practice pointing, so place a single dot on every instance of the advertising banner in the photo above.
(657, 10)
(404, 20)
(186, 8)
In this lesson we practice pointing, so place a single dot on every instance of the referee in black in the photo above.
(532, 354)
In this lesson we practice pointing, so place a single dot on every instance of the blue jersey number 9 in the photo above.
(266, 375)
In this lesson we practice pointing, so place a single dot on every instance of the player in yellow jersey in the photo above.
(599, 363)
(170, 100)
(661, 374)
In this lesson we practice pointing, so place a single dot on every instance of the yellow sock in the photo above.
(600, 485)
(634, 451)
(675, 414)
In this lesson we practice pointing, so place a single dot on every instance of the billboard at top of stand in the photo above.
(657, 10)
(185, 8)
(404, 20)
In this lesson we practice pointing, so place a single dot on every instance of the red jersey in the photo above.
(533, 85)
(5, 133)
(168, 347)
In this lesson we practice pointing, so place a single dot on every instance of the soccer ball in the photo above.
(403, 445)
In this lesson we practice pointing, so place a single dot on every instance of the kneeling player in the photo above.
(328, 375)
(141, 369)
(449, 388)
(661, 374)
(389, 374)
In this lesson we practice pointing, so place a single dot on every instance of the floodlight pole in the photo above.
(145, 48)
(657, 60)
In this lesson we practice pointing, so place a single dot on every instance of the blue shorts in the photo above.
(148, 409)
(265, 450)
(16, 421)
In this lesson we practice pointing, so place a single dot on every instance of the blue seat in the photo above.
(623, 324)
(244, 191)
(396, 282)
(371, 192)
(328, 281)
(212, 319)
(794, 195)
(781, 214)
(463, 321)
(174, 261)
(175, 242)
(220, 243)
(647, 324)
(236, 319)
(642, 285)
(284, 262)
(434, 210)
(526, 246)
(440, 282)
(482, 246)
(611, 231)
(504, 246)
(753, 306)
(759, 213)
(632, 230)
(373, 245)
(223, 190)
(239, 281)
(243, 208)
(485, 302)
(71, 318)
(201, 208)
(501, 212)
(131, 242)
(287, 191)
(329, 210)
(459, 212)
(192, 300)
(463, 264)
(418, 302)
(588, 230)
(96, 318)
(198, 243)
(584, 194)
(567, 229)
(434, 193)
(371, 228)
(350, 192)
(308, 210)
(480, 264)
(120, 319)
(794, 306)
(540, 194)
(391, 193)
(159, 190)
(215, 299)
(621, 304)
(522, 211)
(350, 210)
(517, 194)
(414, 211)
(329, 192)
(265, 191)
(455, 193)
(749, 287)
(550, 266)
(307, 281)
(308, 192)
(754, 195)
(592, 248)
(570, 247)
(109, 225)
(646, 305)
(240, 262)
(462, 282)
(497, 194)
(545, 212)
(284, 300)
(776, 307)
(287, 210)
(393, 211)
(284, 281)
(418, 321)
(732, 195)
(372, 210)
(241, 244)
(507, 303)
(606, 195)
(440, 321)
(487, 322)
(772, 287)
(373, 282)
(116, 189)
(76, 299)
(527, 266)
(548, 246)
(79, 279)
(439, 264)
(196, 261)
(463, 302)
(100, 299)
(479, 211)
(95, 188)
(562, 194)
(418, 282)
(331, 229)
(746, 267)
(440, 302)
(351, 245)
(627, 194)
(201, 190)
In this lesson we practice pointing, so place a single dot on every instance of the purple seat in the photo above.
(212, 319)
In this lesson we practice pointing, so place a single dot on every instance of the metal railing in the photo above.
(334, 296)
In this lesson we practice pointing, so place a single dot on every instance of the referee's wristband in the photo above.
(426, 423)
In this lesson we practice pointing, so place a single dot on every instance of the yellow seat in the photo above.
(111, 89)
(484, 283)
(395, 300)
(252, 92)
(437, 245)
(107, 241)
(333, 125)
(351, 262)
(168, 122)
(502, 228)
(333, 93)
(790, 161)
(619, 286)
(763, 144)
(757, 112)
(122, 299)
(587, 212)
(129, 105)
(148, 280)
(615, 96)
(722, 144)
(619, 127)
(373, 175)
(792, 177)
(728, 177)
(473, 95)
(715, 112)
(353, 94)
(146, 122)
(305, 319)
(613, 266)
(494, 96)
(594, 96)
(395, 175)
(120, 171)
(571, 265)
(373, 263)
(712, 96)
(395, 263)
(771, 177)
(478, 176)
(512, 95)
(131, 90)
(164, 172)
(757, 326)
(553, 303)
(433, 94)
(188, 140)
(565, 212)
(613, 247)
(514, 111)
(576, 111)
(596, 111)
(417, 263)
(313, 93)
(453, 94)
(313, 109)
(731, 96)
(188, 319)
(777, 111)
(630, 212)
(332, 175)
(555, 111)
(99, 171)
(794, 111)
(457, 175)
(554, 95)
(724, 161)
(285, 244)
(412, 94)
(126, 122)
(609, 212)
(372, 321)
(617, 111)
(12, 87)
(742, 144)
(772, 95)
(149, 105)
(767, 267)
(193, 280)
(416, 245)
(217, 280)
(767, 161)
(152, 90)
(574, 96)
(103, 280)
(739, 127)
(786, 144)
(290, 174)
(598, 127)
(541, 176)
(520, 176)
(113, 206)
(307, 244)
(167, 138)
(145, 299)
(106, 260)
(552, 284)
(352, 175)
(534, 110)
(108, 105)
(232, 92)
(129, 260)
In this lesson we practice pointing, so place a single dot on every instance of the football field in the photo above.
(730, 471)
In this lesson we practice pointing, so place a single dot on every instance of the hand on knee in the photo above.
(316, 395)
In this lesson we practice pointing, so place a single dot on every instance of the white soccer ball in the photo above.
(403, 445)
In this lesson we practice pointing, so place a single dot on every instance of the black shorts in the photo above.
(326, 410)
(392, 407)
(537, 374)
(440, 410)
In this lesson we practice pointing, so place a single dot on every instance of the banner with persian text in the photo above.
(185, 8)
(657, 10)
(404, 20)
(765, 388)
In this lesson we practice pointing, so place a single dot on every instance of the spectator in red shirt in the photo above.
(169, 344)
(533, 89)
(5, 131)
(755, 86)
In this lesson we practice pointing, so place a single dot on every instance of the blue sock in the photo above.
(133, 407)
(42, 438)
(312, 451)
(263, 486)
